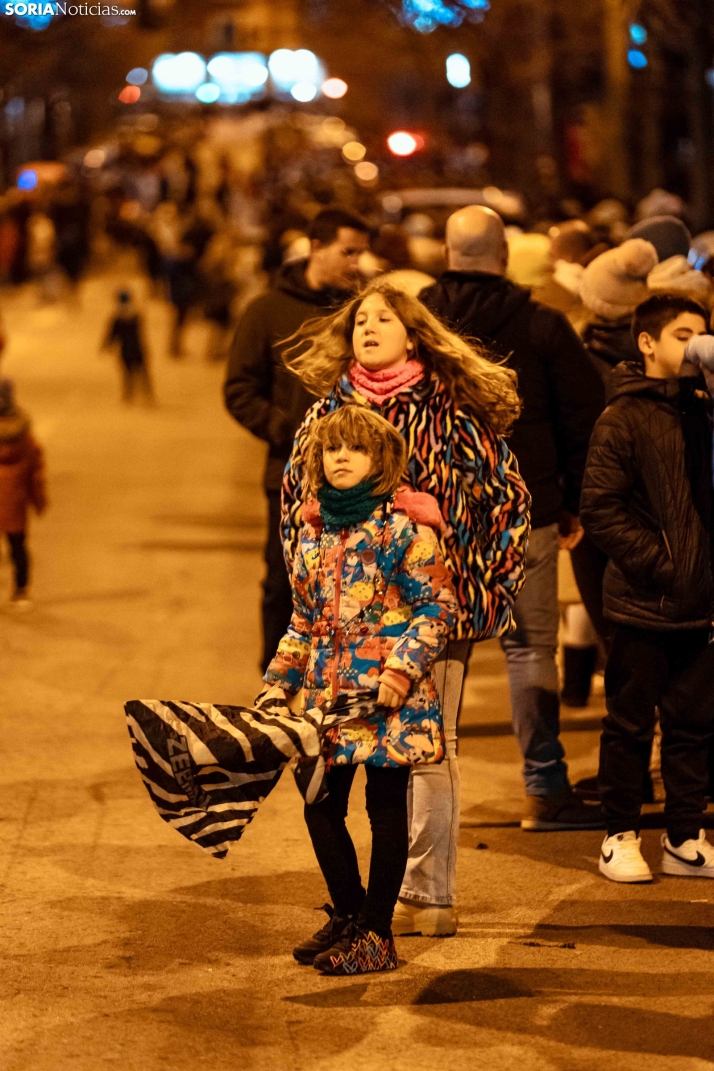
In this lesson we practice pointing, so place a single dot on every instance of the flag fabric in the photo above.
(207, 768)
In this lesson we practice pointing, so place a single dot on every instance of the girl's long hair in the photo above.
(476, 381)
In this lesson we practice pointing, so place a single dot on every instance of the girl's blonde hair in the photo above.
(358, 427)
(476, 382)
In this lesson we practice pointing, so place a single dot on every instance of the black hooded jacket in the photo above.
(259, 390)
(647, 501)
(562, 394)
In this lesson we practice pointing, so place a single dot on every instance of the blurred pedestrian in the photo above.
(572, 246)
(41, 253)
(647, 503)
(613, 285)
(373, 606)
(265, 398)
(562, 399)
(385, 351)
(125, 331)
(528, 259)
(673, 274)
(22, 484)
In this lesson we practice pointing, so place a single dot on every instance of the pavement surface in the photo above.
(124, 946)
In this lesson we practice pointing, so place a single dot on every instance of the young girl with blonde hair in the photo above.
(374, 605)
(386, 353)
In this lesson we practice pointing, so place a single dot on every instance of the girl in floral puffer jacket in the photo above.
(374, 605)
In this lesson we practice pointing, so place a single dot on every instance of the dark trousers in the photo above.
(277, 597)
(386, 797)
(20, 559)
(135, 377)
(673, 670)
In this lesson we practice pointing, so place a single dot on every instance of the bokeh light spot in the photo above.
(27, 180)
(354, 151)
(334, 88)
(636, 59)
(137, 76)
(458, 71)
(94, 158)
(178, 73)
(208, 93)
(366, 172)
(304, 91)
(401, 143)
(130, 94)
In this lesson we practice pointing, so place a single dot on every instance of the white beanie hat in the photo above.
(614, 283)
(677, 276)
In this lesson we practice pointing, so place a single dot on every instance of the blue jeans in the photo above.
(532, 672)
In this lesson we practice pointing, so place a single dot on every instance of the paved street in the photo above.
(122, 945)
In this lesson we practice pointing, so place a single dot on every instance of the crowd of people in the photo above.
(502, 433)
(575, 416)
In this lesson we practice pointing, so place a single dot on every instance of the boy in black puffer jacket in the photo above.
(647, 503)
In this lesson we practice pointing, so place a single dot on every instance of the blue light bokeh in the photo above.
(426, 15)
(27, 180)
(636, 59)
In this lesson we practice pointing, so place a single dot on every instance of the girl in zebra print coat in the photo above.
(452, 404)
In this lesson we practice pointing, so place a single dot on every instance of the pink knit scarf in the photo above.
(379, 386)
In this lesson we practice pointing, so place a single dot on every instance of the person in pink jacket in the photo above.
(22, 484)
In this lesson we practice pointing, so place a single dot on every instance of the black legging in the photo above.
(386, 797)
(20, 559)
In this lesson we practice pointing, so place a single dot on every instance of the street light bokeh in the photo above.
(334, 88)
(304, 92)
(130, 95)
(354, 151)
(137, 76)
(401, 143)
(458, 71)
(178, 73)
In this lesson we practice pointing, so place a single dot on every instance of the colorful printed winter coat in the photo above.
(371, 598)
(474, 477)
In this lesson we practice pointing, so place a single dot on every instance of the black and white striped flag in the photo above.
(207, 768)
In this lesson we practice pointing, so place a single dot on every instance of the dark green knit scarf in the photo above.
(343, 509)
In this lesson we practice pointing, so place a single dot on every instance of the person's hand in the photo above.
(387, 697)
(570, 531)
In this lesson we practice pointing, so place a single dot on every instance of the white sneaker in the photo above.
(426, 920)
(693, 859)
(621, 859)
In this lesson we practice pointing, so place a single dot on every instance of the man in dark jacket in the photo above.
(265, 398)
(563, 397)
(647, 503)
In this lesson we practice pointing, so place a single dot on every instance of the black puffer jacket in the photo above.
(562, 395)
(647, 501)
(608, 342)
(259, 391)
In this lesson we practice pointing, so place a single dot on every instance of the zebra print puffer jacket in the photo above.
(474, 477)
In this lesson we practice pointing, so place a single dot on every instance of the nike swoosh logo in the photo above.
(699, 861)
(607, 858)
